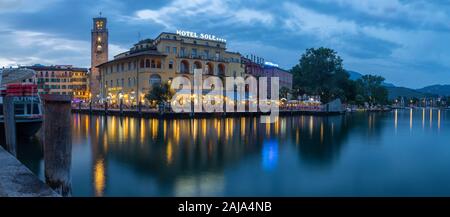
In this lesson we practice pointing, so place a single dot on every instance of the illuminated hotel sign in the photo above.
(200, 36)
(271, 64)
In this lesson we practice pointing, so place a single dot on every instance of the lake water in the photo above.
(399, 153)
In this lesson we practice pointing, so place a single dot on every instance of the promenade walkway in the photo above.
(16, 180)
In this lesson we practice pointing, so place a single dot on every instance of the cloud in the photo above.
(32, 47)
(307, 21)
(24, 6)
(179, 11)
(417, 12)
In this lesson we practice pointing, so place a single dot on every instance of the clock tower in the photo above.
(99, 53)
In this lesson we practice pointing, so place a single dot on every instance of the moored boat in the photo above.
(19, 84)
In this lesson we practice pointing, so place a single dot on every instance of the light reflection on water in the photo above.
(362, 154)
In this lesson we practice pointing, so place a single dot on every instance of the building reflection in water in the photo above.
(190, 157)
(99, 177)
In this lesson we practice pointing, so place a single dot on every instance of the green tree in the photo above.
(160, 93)
(284, 92)
(320, 72)
(371, 88)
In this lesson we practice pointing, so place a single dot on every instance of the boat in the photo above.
(20, 84)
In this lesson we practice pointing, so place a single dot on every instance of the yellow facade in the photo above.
(65, 80)
(131, 74)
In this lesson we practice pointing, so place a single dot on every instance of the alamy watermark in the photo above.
(238, 95)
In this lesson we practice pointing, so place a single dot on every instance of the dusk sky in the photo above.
(407, 42)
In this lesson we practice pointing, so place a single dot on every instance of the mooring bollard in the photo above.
(121, 106)
(10, 124)
(57, 143)
(140, 107)
(106, 107)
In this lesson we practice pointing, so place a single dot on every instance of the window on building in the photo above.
(171, 64)
(182, 51)
(129, 82)
(53, 74)
(117, 68)
(142, 64)
(206, 53)
(147, 63)
(168, 49)
(194, 52)
(158, 63)
(123, 82)
(129, 66)
(153, 63)
(155, 79)
(174, 50)
(117, 83)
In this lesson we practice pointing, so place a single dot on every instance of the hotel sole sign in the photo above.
(200, 36)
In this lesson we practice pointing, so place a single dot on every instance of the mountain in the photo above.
(356, 75)
(395, 92)
(440, 90)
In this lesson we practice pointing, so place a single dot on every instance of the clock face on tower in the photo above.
(99, 24)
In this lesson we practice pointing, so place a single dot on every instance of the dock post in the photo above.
(106, 107)
(121, 106)
(140, 108)
(57, 143)
(10, 124)
(90, 107)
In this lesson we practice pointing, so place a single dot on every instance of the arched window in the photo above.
(221, 69)
(184, 66)
(147, 63)
(210, 69)
(155, 79)
(153, 63)
(197, 65)
(142, 64)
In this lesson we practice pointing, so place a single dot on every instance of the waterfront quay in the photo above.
(16, 180)
(183, 115)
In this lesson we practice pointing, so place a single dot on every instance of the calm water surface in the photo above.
(401, 153)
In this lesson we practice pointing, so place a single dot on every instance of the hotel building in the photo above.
(257, 67)
(152, 61)
(64, 79)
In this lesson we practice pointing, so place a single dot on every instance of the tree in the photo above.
(320, 72)
(160, 93)
(284, 92)
(371, 88)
